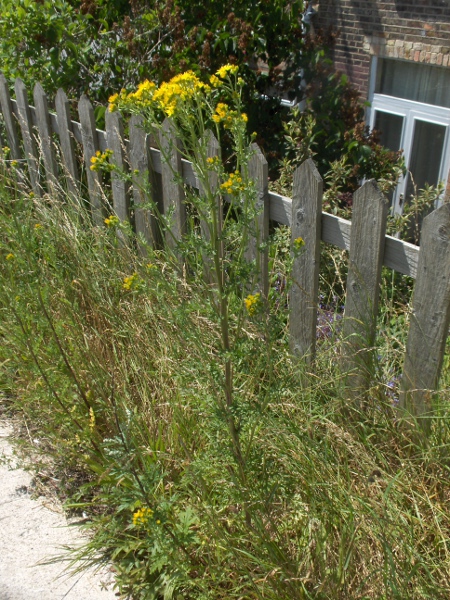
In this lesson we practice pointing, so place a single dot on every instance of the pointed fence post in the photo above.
(145, 187)
(367, 240)
(90, 147)
(209, 191)
(26, 125)
(306, 224)
(430, 317)
(68, 149)
(257, 245)
(173, 193)
(10, 120)
(46, 138)
(115, 139)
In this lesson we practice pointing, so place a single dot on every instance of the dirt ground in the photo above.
(32, 531)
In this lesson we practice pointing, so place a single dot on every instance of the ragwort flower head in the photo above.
(142, 516)
(227, 69)
(252, 303)
(234, 184)
(180, 89)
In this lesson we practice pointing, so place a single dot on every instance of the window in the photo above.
(411, 107)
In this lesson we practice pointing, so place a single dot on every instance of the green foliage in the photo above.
(117, 362)
(331, 130)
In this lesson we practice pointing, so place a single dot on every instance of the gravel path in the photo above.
(31, 533)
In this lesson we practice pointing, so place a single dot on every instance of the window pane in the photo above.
(426, 155)
(390, 127)
(413, 81)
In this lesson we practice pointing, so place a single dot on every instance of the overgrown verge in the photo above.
(115, 364)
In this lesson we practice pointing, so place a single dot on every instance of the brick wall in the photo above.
(417, 30)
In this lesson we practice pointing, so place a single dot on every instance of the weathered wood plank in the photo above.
(90, 147)
(173, 193)
(211, 220)
(120, 187)
(26, 126)
(68, 150)
(145, 185)
(257, 250)
(430, 317)
(306, 224)
(46, 139)
(10, 120)
(363, 283)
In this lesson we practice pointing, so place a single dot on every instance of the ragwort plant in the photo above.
(119, 363)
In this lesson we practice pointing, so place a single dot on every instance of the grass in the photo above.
(113, 362)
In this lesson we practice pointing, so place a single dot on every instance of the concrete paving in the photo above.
(32, 533)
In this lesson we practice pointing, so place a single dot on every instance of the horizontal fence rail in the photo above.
(32, 131)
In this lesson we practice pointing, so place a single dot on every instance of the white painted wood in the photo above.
(430, 318)
(306, 224)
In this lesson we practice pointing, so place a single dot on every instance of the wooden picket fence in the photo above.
(33, 133)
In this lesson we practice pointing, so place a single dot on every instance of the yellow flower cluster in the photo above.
(298, 244)
(100, 162)
(10, 256)
(171, 95)
(142, 516)
(112, 221)
(234, 184)
(131, 282)
(141, 98)
(223, 71)
(252, 303)
(224, 115)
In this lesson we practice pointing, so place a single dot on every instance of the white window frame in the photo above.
(410, 111)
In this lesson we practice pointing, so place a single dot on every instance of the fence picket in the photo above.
(46, 142)
(363, 282)
(10, 120)
(143, 177)
(167, 172)
(26, 126)
(116, 143)
(67, 143)
(306, 223)
(212, 150)
(257, 246)
(430, 317)
(173, 193)
(90, 147)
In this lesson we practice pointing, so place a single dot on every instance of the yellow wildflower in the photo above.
(252, 303)
(142, 516)
(298, 244)
(215, 81)
(223, 71)
(112, 221)
(10, 256)
(234, 184)
(38, 226)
